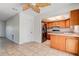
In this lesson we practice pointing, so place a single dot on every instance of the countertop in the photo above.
(63, 34)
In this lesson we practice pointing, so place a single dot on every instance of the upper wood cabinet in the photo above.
(57, 23)
(68, 23)
(60, 23)
(51, 24)
(74, 17)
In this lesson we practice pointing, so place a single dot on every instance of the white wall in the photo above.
(26, 27)
(12, 28)
(37, 28)
(30, 27)
(2, 29)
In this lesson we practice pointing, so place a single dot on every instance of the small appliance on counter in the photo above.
(60, 29)
(54, 28)
(76, 29)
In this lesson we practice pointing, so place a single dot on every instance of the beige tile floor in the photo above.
(8, 48)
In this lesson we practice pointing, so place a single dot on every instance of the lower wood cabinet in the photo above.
(72, 45)
(68, 44)
(58, 42)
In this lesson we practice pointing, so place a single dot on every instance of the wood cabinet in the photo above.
(58, 42)
(57, 23)
(54, 41)
(68, 44)
(51, 24)
(67, 23)
(60, 24)
(74, 17)
(72, 45)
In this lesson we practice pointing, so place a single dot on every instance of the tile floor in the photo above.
(8, 48)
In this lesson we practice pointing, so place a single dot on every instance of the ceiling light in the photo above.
(33, 4)
(60, 17)
(52, 18)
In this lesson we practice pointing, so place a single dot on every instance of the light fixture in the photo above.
(60, 17)
(56, 18)
(33, 4)
(52, 19)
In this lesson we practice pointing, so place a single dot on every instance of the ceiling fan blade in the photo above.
(26, 6)
(42, 4)
(36, 9)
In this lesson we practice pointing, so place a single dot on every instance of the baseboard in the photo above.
(39, 41)
(2, 37)
(12, 41)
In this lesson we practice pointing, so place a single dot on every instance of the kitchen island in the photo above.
(68, 42)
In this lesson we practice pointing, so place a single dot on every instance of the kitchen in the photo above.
(63, 32)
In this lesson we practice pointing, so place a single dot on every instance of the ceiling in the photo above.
(8, 10)
(57, 9)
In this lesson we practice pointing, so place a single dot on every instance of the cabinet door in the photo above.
(51, 24)
(58, 42)
(60, 23)
(74, 17)
(67, 23)
(72, 45)
(61, 42)
(54, 43)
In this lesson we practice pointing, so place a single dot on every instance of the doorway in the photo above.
(44, 31)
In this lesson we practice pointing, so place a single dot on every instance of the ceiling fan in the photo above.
(35, 6)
